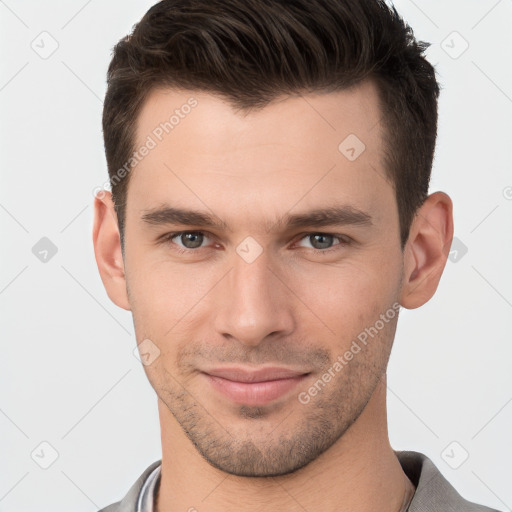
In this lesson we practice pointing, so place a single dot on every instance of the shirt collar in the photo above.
(147, 493)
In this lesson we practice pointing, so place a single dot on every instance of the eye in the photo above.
(191, 241)
(186, 240)
(323, 242)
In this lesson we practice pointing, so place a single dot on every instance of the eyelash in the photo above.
(344, 241)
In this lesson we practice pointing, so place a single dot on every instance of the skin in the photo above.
(291, 307)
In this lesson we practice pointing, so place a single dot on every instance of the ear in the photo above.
(427, 250)
(107, 249)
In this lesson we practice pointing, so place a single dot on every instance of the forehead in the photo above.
(314, 143)
(319, 116)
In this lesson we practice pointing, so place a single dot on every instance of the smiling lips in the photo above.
(254, 387)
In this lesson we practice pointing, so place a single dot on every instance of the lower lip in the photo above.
(254, 393)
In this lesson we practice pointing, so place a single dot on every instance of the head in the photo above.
(291, 144)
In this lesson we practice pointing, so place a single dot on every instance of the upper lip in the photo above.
(259, 375)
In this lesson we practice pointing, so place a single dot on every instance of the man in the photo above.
(269, 216)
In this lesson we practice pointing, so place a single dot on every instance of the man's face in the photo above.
(248, 316)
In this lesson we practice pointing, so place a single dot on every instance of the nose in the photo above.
(253, 303)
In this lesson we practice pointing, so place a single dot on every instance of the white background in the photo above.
(67, 372)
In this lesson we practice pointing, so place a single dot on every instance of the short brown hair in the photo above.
(251, 51)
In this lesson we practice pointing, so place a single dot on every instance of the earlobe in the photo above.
(107, 249)
(427, 250)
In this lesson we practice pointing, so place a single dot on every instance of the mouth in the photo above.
(254, 387)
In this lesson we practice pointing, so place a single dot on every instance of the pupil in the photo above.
(325, 244)
(195, 243)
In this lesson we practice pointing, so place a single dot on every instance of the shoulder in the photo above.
(129, 502)
(433, 492)
(111, 508)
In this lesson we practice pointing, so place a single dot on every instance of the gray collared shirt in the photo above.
(148, 491)
(433, 492)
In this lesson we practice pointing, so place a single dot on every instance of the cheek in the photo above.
(344, 289)
(161, 294)
(347, 298)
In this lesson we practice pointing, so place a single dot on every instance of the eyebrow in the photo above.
(334, 215)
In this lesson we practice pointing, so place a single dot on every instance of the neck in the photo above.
(359, 473)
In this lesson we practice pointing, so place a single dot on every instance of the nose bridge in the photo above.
(252, 279)
(252, 304)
